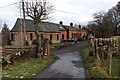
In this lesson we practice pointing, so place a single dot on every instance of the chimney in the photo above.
(79, 26)
(61, 22)
(71, 24)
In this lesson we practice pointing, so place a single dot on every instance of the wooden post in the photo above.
(96, 49)
(48, 46)
(22, 41)
(25, 36)
(110, 58)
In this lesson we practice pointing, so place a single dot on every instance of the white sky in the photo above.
(83, 9)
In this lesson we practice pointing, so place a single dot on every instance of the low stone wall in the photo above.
(103, 46)
(11, 54)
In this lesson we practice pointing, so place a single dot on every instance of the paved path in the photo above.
(70, 64)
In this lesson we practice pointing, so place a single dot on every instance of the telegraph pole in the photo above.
(23, 9)
(21, 28)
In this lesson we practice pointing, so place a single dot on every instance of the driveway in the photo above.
(70, 65)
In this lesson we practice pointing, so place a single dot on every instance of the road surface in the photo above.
(70, 65)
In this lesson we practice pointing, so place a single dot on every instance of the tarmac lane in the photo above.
(69, 66)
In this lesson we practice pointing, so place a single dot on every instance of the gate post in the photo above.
(46, 47)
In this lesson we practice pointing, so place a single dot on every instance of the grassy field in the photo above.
(96, 70)
(27, 68)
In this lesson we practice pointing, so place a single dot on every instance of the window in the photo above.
(42, 36)
(80, 34)
(57, 36)
(63, 36)
(72, 35)
(31, 36)
(12, 37)
(50, 36)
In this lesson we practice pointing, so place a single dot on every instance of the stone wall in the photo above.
(99, 47)
(11, 54)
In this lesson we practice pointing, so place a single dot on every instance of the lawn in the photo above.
(27, 68)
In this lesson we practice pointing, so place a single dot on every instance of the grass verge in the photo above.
(95, 68)
(116, 67)
(27, 68)
(119, 42)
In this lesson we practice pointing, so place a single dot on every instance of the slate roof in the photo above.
(70, 27)
(43, 26)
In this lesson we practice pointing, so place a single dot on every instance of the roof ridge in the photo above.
(53, 27)
(41, 21)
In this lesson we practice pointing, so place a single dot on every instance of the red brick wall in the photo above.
(63, 33)
(73, 33)
(82, 33)
(45, 35)
(17, 36)
(18, 40)
(76, 32)
(54, 36)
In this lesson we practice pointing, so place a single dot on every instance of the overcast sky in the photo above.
(76, 11)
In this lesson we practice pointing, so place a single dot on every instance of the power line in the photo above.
(55, 9)
(66, 12)
(9, 4)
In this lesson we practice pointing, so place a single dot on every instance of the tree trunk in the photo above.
(38, 48)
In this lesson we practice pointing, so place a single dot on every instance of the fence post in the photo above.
(110, 56)
(96, 49)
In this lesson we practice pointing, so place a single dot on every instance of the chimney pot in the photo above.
(61, 22)
(71, 24)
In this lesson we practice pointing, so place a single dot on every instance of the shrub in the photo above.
(34, 42)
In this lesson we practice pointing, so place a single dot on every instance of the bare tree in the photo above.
(98, 24)
(98, 17)
(38, 10)
(101, 26)
(115, 11)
